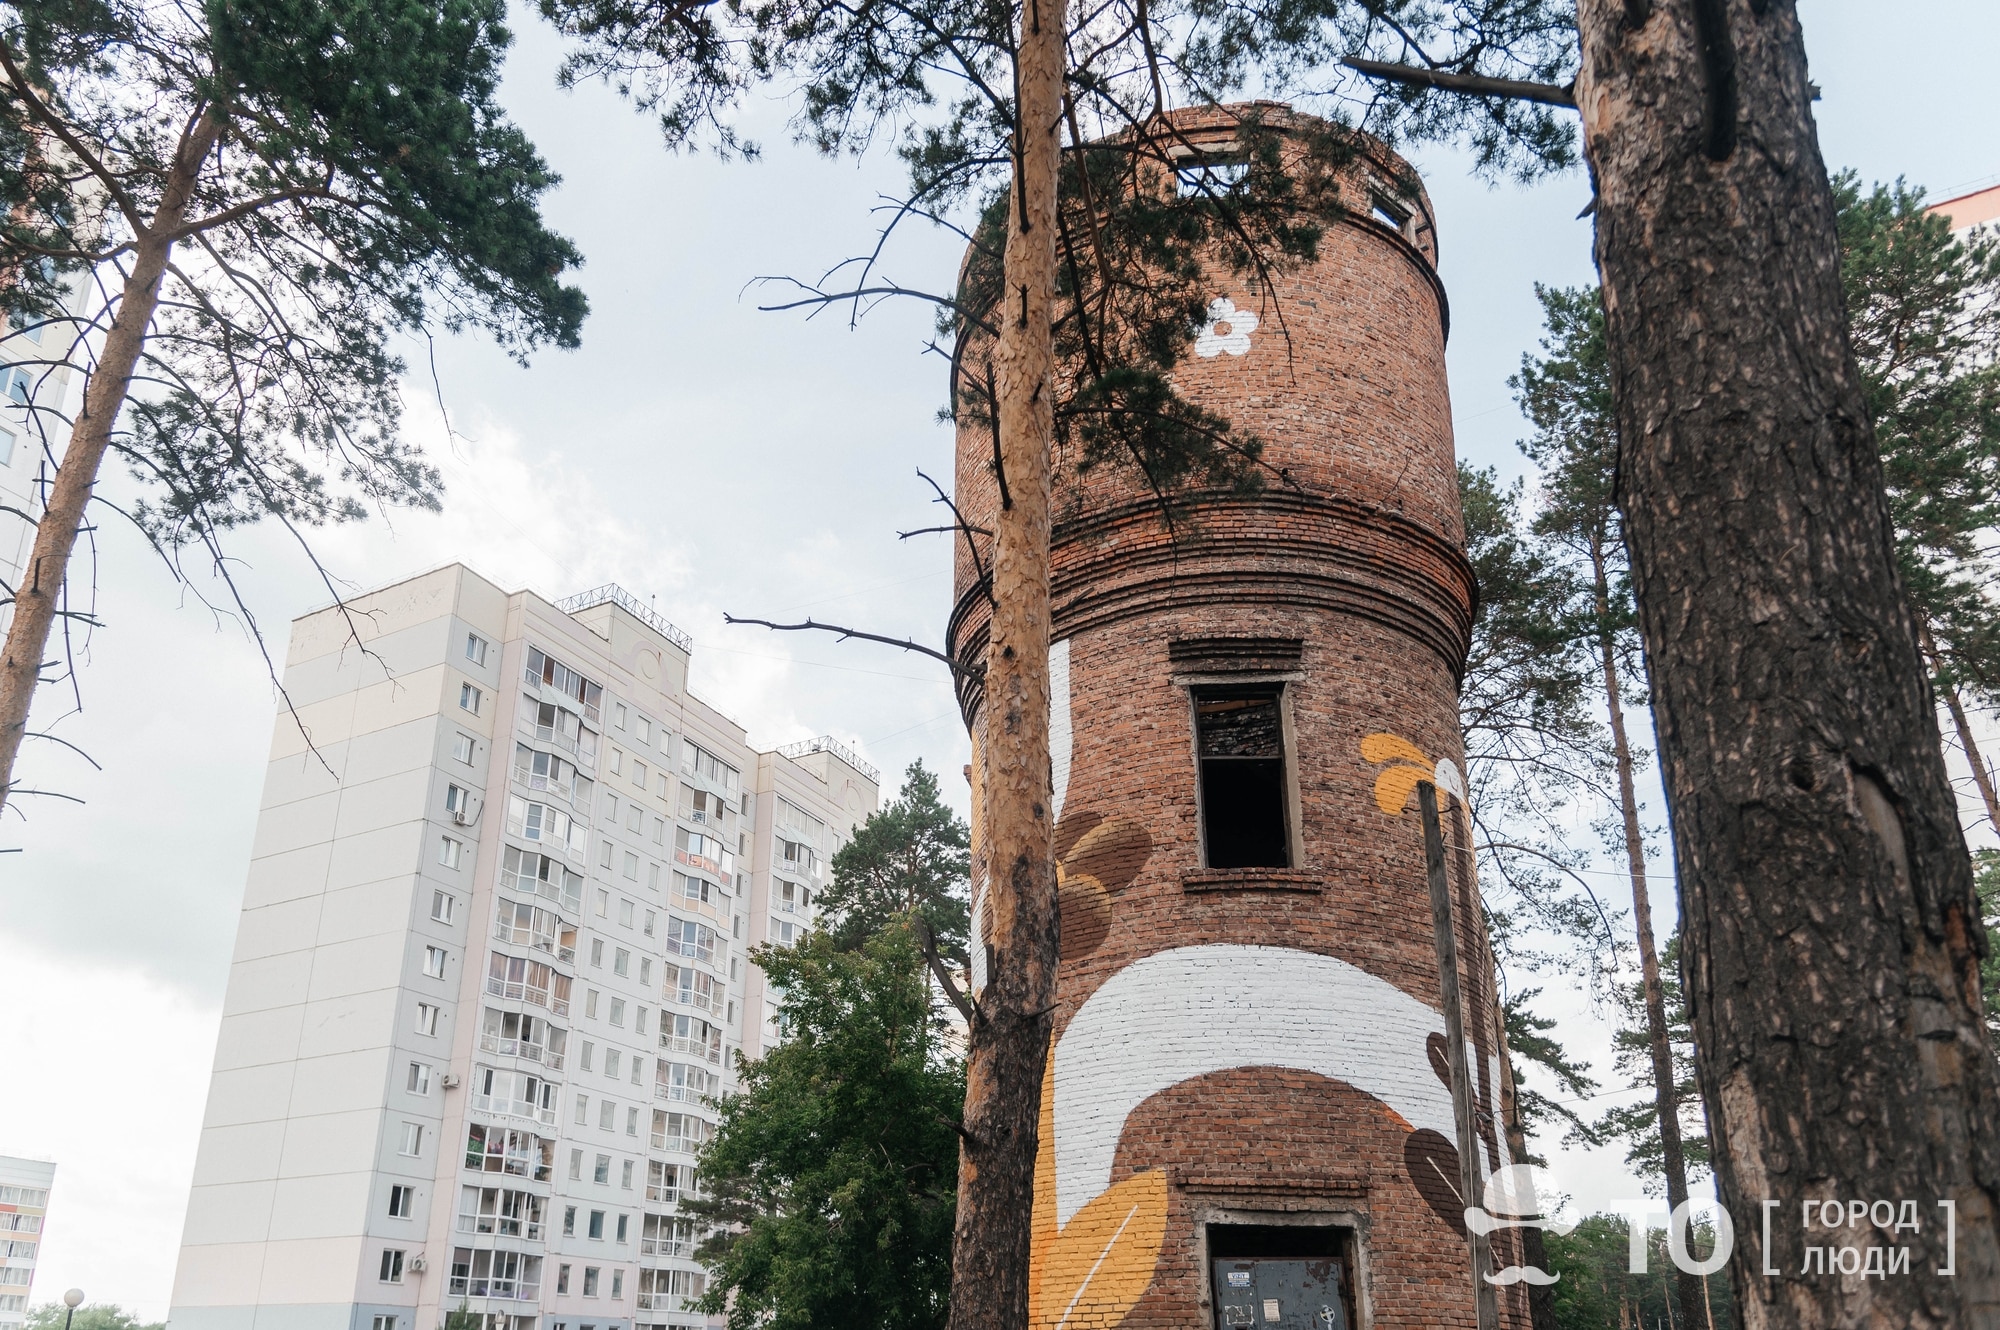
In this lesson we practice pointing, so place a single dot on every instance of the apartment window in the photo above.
(457, 801)
(401, 1200)
(597, 953)
(604, 855)
(449, 850)
(617, 762)
(597, 1224)
(443, 906)
(618, 711)
(621, 963)
(1240, 746)
(625, 1181)
(618, 1004)
(475, 648)
(420, 1078)
(589, 1281)
(637, 1066)
(569, 1222)
(645, 730)
(737, 930)
(631, 865)
(639, 1016)
(576, 1165)
(461, 748)
(413, 1139)
(607, 1120)
(625, 909)
(427, 1018)
(646, 971)
(631, 1124)
(583, 1100)
(590, 1003)
(660, 826)
(434, 962)
(602, 1172)
(651, 919)
(617, 1283)
(604, 899)
(468, 698)
(611, 1063)
(385, 1323)
(562, 1271)
(624, 1220)
(392, 1265)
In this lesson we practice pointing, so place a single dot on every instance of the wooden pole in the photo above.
(1470, 1188)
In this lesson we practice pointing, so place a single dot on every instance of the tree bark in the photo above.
(1009, 1035)
(37, 599)
(1666, 1087)
(1831, 945)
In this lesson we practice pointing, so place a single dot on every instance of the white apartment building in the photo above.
(24, 1205)
(491, 969)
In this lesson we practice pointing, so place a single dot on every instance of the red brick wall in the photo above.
(1358, 554)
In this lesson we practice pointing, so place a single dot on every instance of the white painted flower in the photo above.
(1223, 315)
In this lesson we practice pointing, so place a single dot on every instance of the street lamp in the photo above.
(72, 1300)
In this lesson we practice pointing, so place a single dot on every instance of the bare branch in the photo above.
(1476, 85)
(969, 671)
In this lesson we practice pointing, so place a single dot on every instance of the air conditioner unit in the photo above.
(449, 1080)
(417, 1264)
(458, 816)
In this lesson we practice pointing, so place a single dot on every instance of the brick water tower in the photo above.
(1248, 1118)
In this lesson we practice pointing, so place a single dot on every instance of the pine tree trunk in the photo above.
(1010, 1028)
(1666, 1086)
(37, 599)
(1831, 939)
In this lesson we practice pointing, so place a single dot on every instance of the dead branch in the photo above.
(1476, 85)
(968, 671)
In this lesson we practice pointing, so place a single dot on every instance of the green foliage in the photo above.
(909, 861)
(832, 1176)
(1638, 1123)
(1986, 875)
(1595, 1290)
(1530, 1040)
(364, 186)
(1924, 310)
(90, 1316)
(1533, 742)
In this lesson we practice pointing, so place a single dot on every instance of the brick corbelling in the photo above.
(1278, 549)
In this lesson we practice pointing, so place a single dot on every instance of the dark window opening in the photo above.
(1206, 177)
(1240, 740)
(1287, 1276)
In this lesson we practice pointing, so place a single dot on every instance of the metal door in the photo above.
(1279, 1294)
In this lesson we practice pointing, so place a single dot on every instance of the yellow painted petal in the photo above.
(1392, 747)
(1103, 1262)
(1393, 786)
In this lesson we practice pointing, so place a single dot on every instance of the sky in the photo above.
(708, 457)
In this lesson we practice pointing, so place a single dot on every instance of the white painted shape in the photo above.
(1446, 778)
(1061, 737)
(1211, 341)
(1191, 1011)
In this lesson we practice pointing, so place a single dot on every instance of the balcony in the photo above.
(510, 1290)
(520, 1048)
(506, 1106)
(528, 1230)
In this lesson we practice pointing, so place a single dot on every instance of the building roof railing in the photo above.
(625, 600)
(826, 743)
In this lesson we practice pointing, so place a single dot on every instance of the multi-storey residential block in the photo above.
(24, 1205)
(491, 972)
